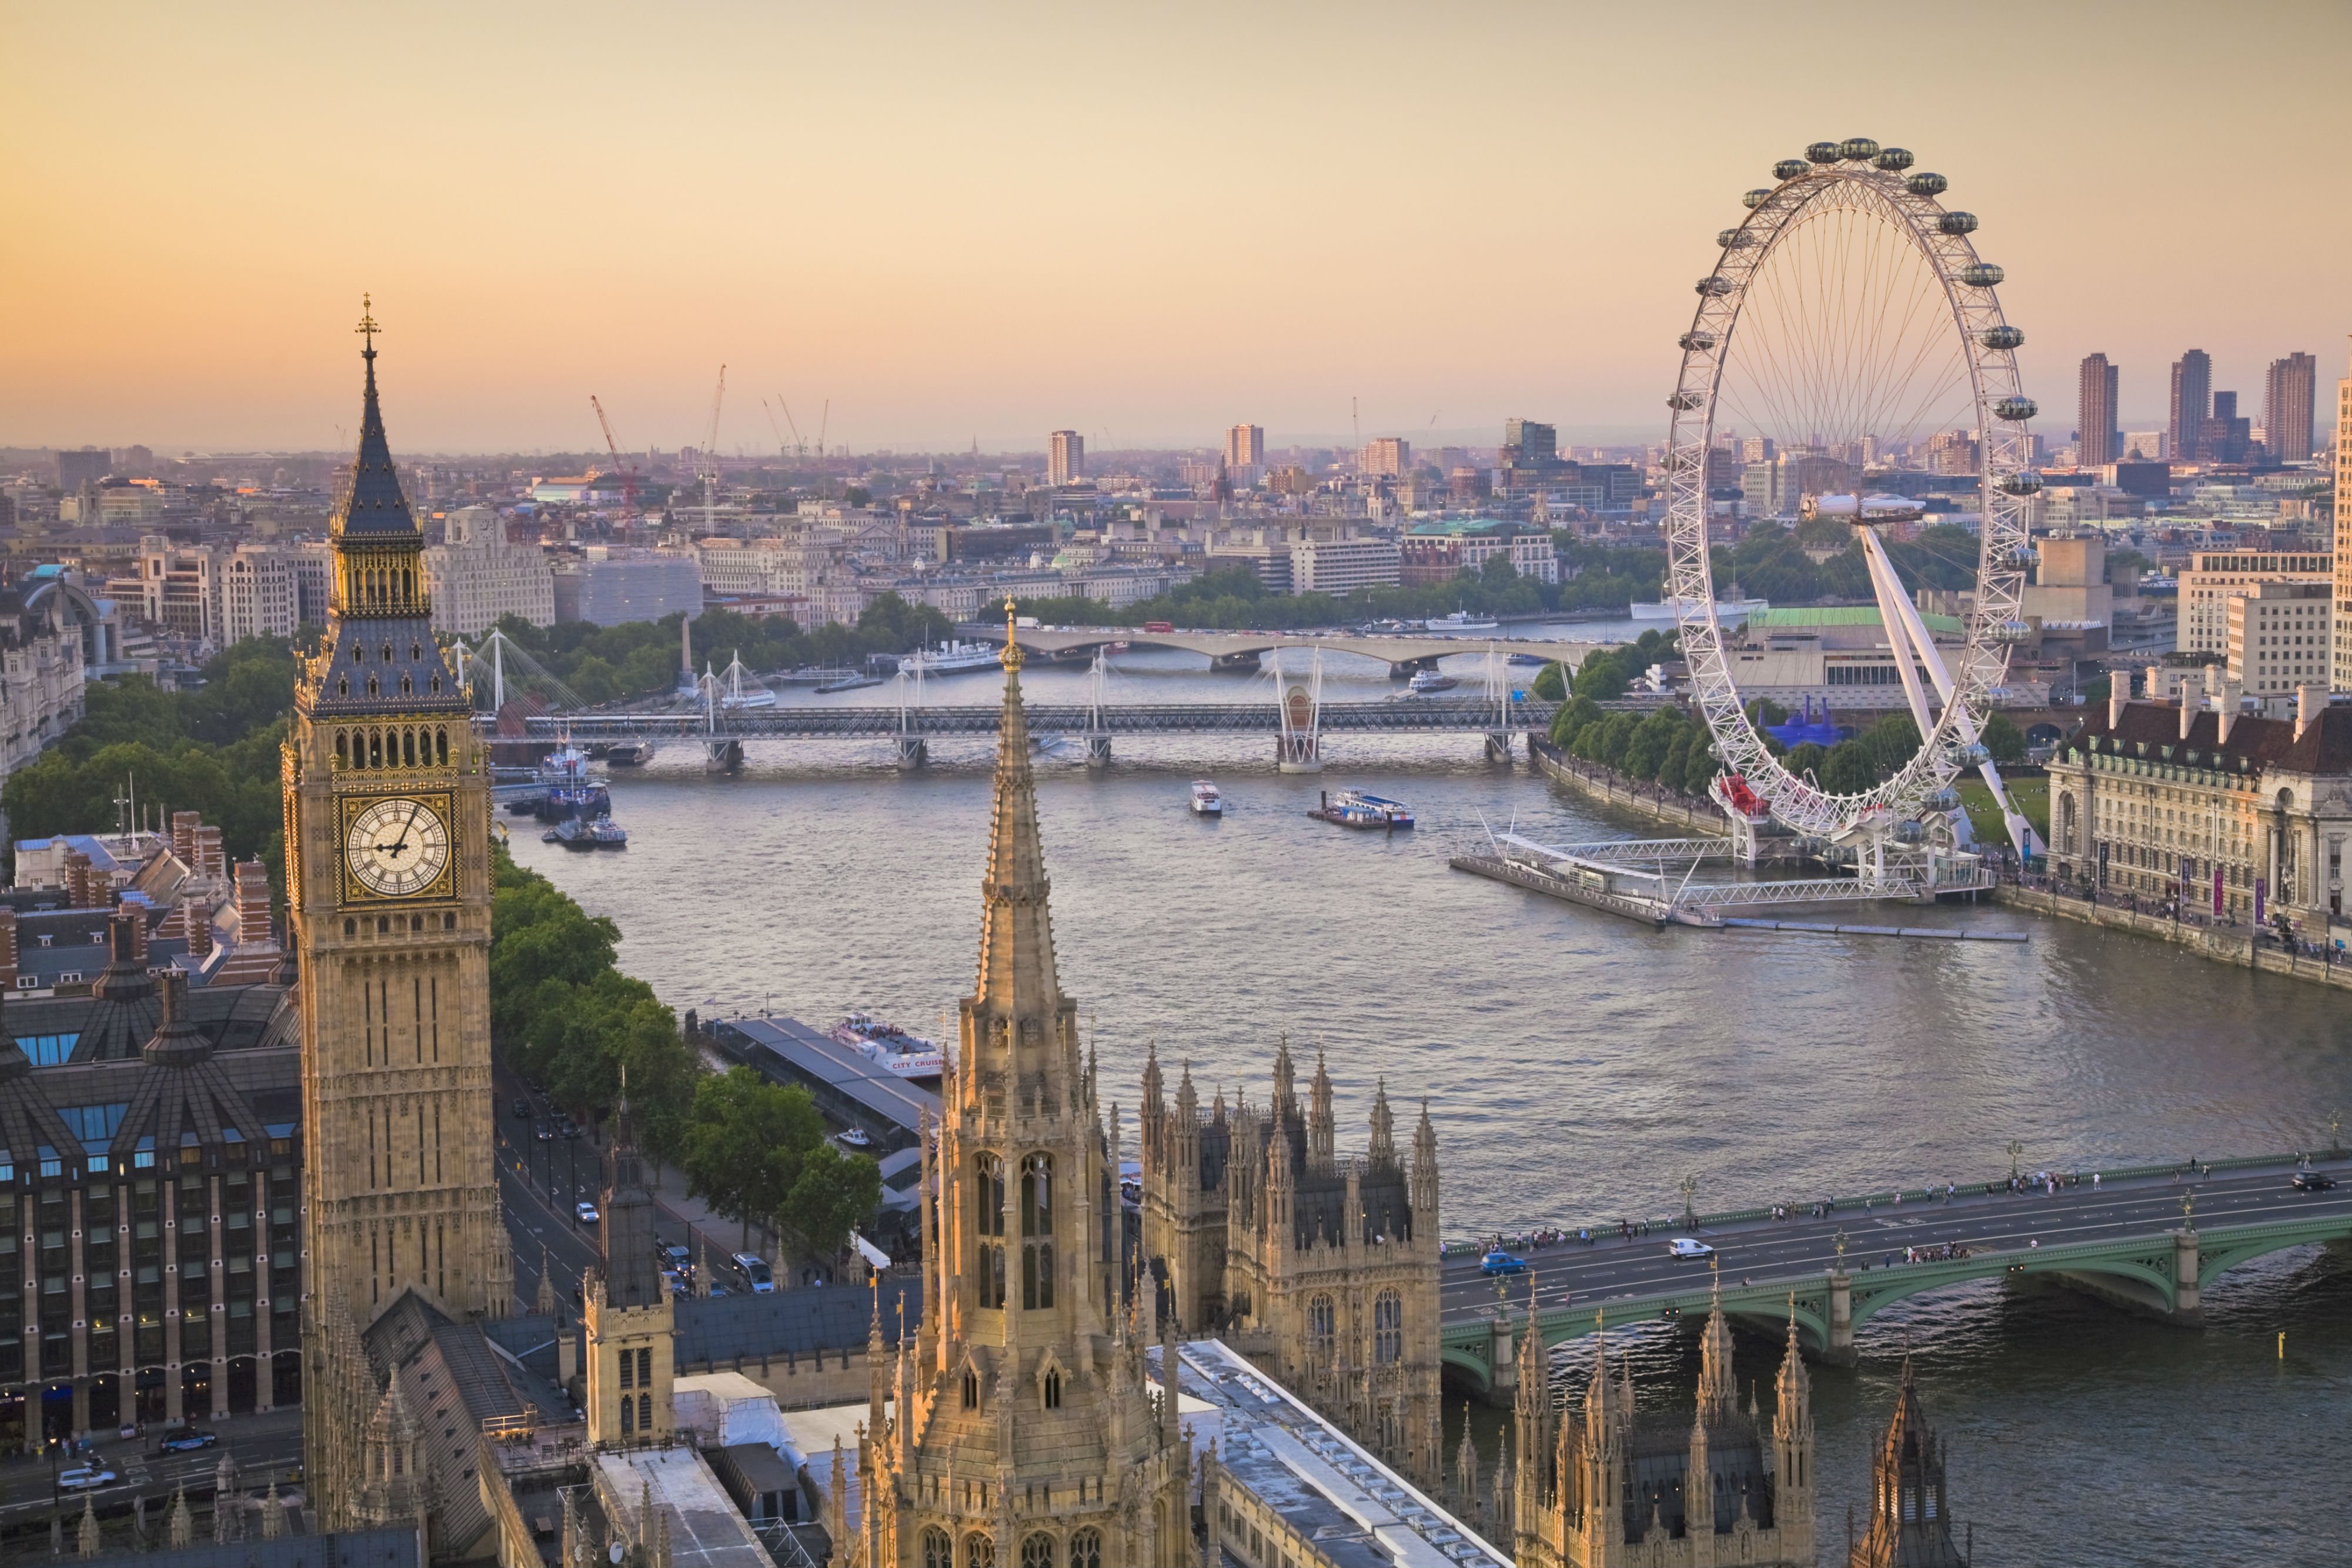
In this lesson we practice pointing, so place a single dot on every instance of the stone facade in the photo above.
(475, 577)
(392, 939)
(1024, 1430)
(2157, 801)
(1608, 1489)
(1322, 1270)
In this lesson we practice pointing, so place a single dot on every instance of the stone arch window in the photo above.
(628, 1415)
(440, 737)
(1388, 1328)
(939, 1552)
(415, 652)
(375, 744)
(387, 652)
(342, 686)
(1322, 1331)
(1910, 1505)
(2066, 826)
(407, 686)
(1086, 1549)
(407, 745)
(990, 1223)
(1037, 1551)
(1038, 1230)
(1053, 1391)
(343, 749)
(371, 686)
(979, 1551)
(971, 1390)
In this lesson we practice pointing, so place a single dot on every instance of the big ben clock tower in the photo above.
(388, 884)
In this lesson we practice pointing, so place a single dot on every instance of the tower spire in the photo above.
(1017, 982)
(373, 507)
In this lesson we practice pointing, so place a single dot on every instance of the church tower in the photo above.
(630, 1359)
(1020, 1426)
(388, 889)
(1910, 1512)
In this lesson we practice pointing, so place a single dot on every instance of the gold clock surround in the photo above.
(350, 808)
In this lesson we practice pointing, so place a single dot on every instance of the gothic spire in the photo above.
(1016, 984)
(1793, 1419)
(1718, 1396)
(1383, 1144)
(373, 507)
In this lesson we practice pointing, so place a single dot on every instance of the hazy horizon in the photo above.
(957, 225)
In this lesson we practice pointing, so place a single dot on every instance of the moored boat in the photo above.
(904, 1055)
(951, 659)
(1463, 621)
(1206, 800)
(1431, 681)
(628, 754)
(590, 834)
(1355, 809)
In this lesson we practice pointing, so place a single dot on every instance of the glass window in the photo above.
(937, 1552)
(1037, 1551)
(1086, 1549)
(1388, 1328)
(979, 1551)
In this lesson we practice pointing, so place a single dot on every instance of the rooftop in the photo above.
(705, 1529)
(1359, 1512)
(1841, 616)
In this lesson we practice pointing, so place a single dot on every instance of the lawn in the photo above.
(2032, 798)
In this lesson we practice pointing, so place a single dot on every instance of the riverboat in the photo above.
(951, 659)
(1425, 681)
(1206, 800)
(568, 788)
(848, 683)
(628, 753)
(1463, 621)
(904, 1055)
(1355, 809)
(591, 834)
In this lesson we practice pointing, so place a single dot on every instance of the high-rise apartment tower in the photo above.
(2192, 402)
(1065, 457)
(2096, 407)
(1245, 447)
(2289, 390)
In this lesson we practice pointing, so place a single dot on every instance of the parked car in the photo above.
(1501, 1263)
(186, 1439)
(585, 1213)
(1685, 1246)
(754, 1270)
(2312, 1181)
(86, 1478)
(521, 1109)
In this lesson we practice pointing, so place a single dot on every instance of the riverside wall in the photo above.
(2228, 944)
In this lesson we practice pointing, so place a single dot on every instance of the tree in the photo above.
(1571, 720)
(1552, 683)
(1848, 769)
(1807, 758)
(835, 1194)
(1603, 676)
(746, 1139)
(2003, 739)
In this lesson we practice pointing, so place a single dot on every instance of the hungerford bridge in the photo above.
(2147, 1238)
(733, 710)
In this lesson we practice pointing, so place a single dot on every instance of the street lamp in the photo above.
(2015, 1149)
(2336, 1133)
(1690, 1191)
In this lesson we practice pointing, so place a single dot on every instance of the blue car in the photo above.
(186, 1439)
(1501, 1263)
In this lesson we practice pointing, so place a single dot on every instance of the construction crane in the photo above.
(824, 470)
(800, 442)
(784, 448)
(710, 460)
(628, 474)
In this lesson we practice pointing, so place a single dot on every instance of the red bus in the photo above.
(1160, 626)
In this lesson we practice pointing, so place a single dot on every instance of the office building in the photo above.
(2192, 402)
(474, 576)
(2096, 409)
(2224, 437)
(1527, 444)
(1065, 457)
(180, 589)
(2144, 446)
(87, 466)
(2342, 634)
(1342, 565)
(1245, 447)
(1386, 454)
(259, 594)
(2213, 578)
(2289, 390)
(2278, 639)
(1756, 449)
(612, 587)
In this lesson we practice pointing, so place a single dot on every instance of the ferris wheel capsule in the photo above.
(1822, 152)
(1974, 755)
(2024, 482)
(1755, 199)
(2017, 409)
(1715, 286)
(1789, 168)
(2010, 632)
(1957, 224)
(1909, 832)
(1684, 402)
(1858, 150)
(1893, 160)
(1945, 800)
(1699, 342)
(1733, 239)
(1926, 184)
(2000, 336)
(1981, 275)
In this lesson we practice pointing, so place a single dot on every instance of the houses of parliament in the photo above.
(1256, 1383)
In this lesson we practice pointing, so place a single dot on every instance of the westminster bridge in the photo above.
(2147, 1238)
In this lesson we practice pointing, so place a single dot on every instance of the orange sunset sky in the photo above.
(1145, 223)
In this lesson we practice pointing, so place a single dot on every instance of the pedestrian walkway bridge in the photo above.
(2147, 1238)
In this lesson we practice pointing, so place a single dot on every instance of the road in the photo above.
(265, 1447)
(1758, 1251)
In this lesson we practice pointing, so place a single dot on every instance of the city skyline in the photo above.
(945, 258)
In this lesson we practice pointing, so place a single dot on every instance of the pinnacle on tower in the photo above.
(1017, 987)
(1793, 1417)
(373, 507)
(1718, 1395)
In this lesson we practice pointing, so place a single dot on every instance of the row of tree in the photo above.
(574, 1025)
(605, 663)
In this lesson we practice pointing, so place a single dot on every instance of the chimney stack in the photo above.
(2118, 694)
(2310, 702)
(7, 949)
(2225, 709)
(183, 836)
(2192, 691)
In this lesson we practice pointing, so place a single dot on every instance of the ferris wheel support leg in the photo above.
(1901, 631)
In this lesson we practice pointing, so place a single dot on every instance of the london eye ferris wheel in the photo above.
(1851, 324)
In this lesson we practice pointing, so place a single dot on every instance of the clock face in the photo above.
(397, 847)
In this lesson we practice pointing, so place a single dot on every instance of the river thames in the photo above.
(1578, 1066)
